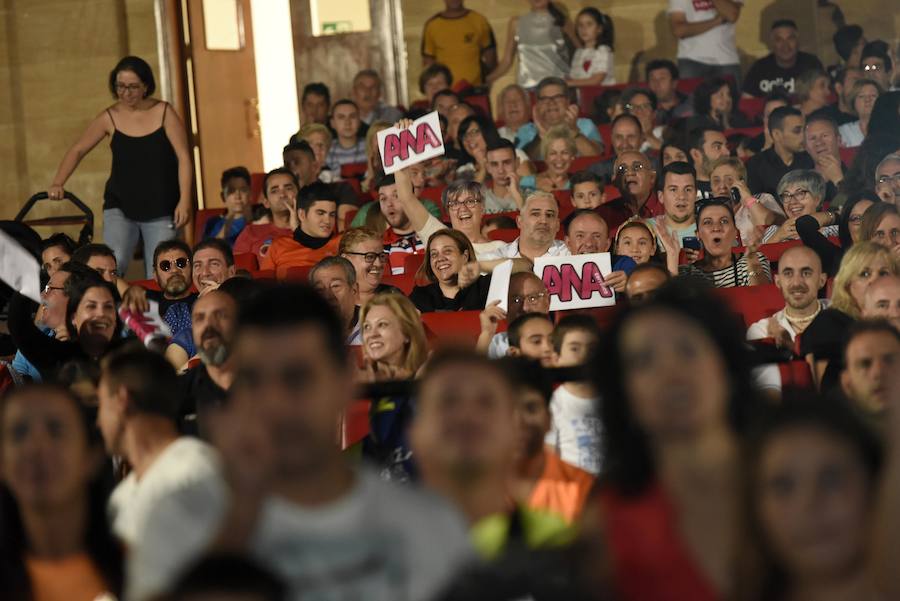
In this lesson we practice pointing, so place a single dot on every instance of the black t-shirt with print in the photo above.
(765, 74)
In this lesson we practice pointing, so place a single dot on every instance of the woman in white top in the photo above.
(863, 95)
(593, 63)
(802, 192)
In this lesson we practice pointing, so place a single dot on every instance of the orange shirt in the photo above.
(285, 253)
(562, 488)
(74, 578)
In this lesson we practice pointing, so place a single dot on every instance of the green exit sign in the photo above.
(332, 27)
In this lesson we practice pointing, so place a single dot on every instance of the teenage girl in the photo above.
(593, 63)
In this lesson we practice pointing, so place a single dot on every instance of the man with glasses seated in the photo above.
(635, 178)
(365, 251)
(527, 294)
(887, 179)
(554, 107)
(335, 279)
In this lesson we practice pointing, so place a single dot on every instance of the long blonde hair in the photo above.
(416, 351)
(860, 255)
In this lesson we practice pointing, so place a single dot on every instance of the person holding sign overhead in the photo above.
(447, 255)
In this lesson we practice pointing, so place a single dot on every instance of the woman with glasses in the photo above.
(148, 193)
(714, 104)
(559, 150)
(642, 104)
(474, 134)
(802, 192)
(455, 283)
(862, 99)
(720, 266)
(881, 224)
(364, 248)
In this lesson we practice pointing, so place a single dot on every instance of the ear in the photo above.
(519, 220)
(605, 247)
(776, 279)
(514, 352)
(230, 271)
(845, 384)
(823, 279)
(696, 155)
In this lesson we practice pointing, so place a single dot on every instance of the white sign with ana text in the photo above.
(577, 281)
(404, 147)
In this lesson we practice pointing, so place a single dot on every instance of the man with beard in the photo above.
(706, 145)
(335, 279)
(636, 180)
(799, 278)
(586, 234)
(205, 386)
(137, 412)
(400, 238)
(765, 170)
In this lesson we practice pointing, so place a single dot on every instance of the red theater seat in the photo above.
(580, 163)
(353, 170)
(413, 262)
(848, 155)
(298, 274)
(747, 131)
(263, 274)
(752, 302)
(507, 235)
(434, 195)
(355, 423)
(481, 102)
(774, 251)
(404, 281)
(688, 85)
(453, 327)
(200, 219)
(796, 376)
(246, 261)
(752, 108)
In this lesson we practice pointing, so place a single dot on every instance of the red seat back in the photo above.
(848, 155)
(452, 328)
(256, 187)
(796, 376)
(482, 104)
(507, 235)
(263, 274)
(688, 85)
(752, 108)
(751, 132)
(774, 251)
(404, 281)
(246, 261)
(752, 302)
(580, 163)
(354, 424)
(200, 219)
(413, 262)
(353, 170)
(298, 274)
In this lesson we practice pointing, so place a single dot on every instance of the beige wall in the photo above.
(642, 31)
(55, 58)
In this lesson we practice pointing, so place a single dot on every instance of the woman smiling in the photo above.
(448, 252)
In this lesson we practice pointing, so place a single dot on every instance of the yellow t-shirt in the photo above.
(459, 43)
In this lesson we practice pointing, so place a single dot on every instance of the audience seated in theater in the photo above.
(720, 267)
(443, 101)
(773, 100)
(514, 111)
(280, 188)
(802, 194)
(256, 504)
(319, 137)
(714, 106)
(823, 143)
(137, 415)
(56, 251)
(678, 194)
(849, 230)
(453, 144)
(417, 179)
(315, 103)
(588, 190)
(593, 63)
(812, 91)
(766, 169)
(530, 336)
(101, 259)
(502, 164)
(366, 93)
(335, 279)
(575, 432)
(676, 389)
(887, 178)
(661, 76)
(435, 78)
(882, 300)
(644, 281)
(870, 354)
(527, 294)
(822, 342)
(465, 437)
(348, 146)
(212, 263)
(636, 181)
(636, 240)
(862, 97)
(235, 196)
(554, 108)
(373, 155)
(706, 144)
(782, 65)
(875, 61)
(463, 40)
(454, 279)
(775, 562)
(625, 134)
(58, 544)
(477, 134)
(314, 237)
(799, 279)
(400, 237)
(300, 160)
(641, 103)
(586, 234)
(559, 150)
(753, 213)
(364, 248)
(538, 223)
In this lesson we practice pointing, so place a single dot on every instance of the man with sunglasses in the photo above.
(635, 178)
(554, 107)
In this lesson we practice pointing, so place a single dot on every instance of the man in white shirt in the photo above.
(287, 496)
(800, 277)
(139, 403)
(538, 225)
(706, 41)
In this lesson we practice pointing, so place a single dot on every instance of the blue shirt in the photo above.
(586, 127)
(24, 366)
(214, 226)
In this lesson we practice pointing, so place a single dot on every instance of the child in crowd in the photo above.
(593, 63)
(236, 196)
(531, 336)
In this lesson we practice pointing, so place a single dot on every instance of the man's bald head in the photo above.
(527, 294)
(800, 277)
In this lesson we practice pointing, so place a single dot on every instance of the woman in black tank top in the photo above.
(148, 193)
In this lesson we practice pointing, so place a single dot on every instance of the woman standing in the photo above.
(148, 193)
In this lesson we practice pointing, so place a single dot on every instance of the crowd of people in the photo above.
(270, 416)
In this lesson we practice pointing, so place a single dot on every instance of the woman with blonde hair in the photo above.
(822, 341)
(559, 150)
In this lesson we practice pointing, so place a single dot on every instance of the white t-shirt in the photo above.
(851, 134)
(185, 461)
(575, 431)
(588, 62)
(713, 47)
(744, 222)
(482, 249)
(380, 542)
(510, 250)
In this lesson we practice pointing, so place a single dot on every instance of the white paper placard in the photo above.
(499, 289)
(19, 269)
(576, 282)
(420, 142)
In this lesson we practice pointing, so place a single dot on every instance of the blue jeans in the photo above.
(688, 68)
(121, 235)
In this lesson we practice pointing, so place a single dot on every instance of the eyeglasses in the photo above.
(531, 298)
(855, 219)
(885, 179)
(129, 87)
(546, 99)
(469, 202)
(798, 195)
(165, 265)
(872, 68)
(636, 167)
(473, 132)
(370, 258)
(48, 288)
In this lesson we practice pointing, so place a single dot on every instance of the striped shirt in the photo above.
(734, 275)
(338, 155)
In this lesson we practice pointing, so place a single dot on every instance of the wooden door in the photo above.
(223, 98)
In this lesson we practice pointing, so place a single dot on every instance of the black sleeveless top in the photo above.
(143, 182)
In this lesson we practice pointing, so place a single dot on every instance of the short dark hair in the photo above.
(499, 143)
(386, 179)
(292, 305)
(298, 146)
(76, 287)
(783, 23)
(279, 171)
(627, 117)
(845, 39)
(777, 117)
(703, 93)
(174, 244)
(344, 101)
(444, 92)
(367, 73)
(150, 380)
(697, 136)
(216, 244)
(61, 240)
(678, 168)
(867, 326)
(551, 81)
(584, 176)
(139, 67)
(661, 63)
(432, 71)
(78, 273)
(235, 172)
(317, 88)
(231, 573)
(630, 93)
(821, 116)
(314, 192)
(778, 94)
(574, 322)
(527, 374)
(514, 331)
(95, 249)
(878, 49)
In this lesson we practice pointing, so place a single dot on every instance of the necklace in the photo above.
(800, 323)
